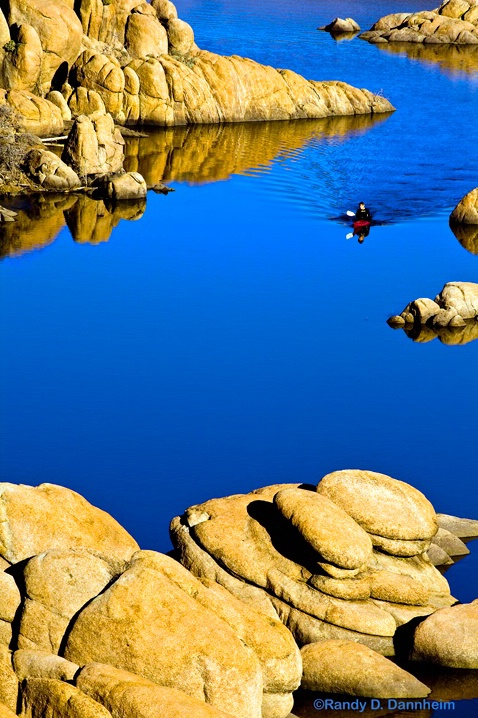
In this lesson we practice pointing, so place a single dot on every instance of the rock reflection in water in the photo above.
(36, 225)
(453, 59)
(207, 153)
(195, 154)
(92, 221)
(467, 235)
(39, 223)
(447, 335)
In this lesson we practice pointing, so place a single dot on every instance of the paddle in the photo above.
(349, 235)
(350, 213)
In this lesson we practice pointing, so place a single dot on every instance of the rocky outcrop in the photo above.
(466, 211)
(341, 26)
(449, 637)
(101, 629)
(355, 670)
(140, 63)
(94, 146)
(454, 22)
(33, 114)
(456, 305)
(309, 554)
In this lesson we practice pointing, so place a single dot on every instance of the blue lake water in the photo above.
(232, 337)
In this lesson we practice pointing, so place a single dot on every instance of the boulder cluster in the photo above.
(282, 587)
(454, 22)
(456, 307)
(139, 62)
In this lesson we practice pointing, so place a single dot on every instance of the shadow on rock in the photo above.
(207, 153)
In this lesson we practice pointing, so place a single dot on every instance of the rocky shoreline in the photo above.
(289, 585)
(453, 22)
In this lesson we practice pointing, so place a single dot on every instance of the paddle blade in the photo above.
(350, 213)
(349, 235)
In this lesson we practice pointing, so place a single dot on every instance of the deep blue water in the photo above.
(233, 337)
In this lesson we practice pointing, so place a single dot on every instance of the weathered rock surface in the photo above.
(28, 513)
(94, 146)
(127, 694)
(186, 646)
(463, 528)
(42, 664)
(397, 588)
(58, 28)
(454, 22)
(8, 680)
(456, 304)
(449, 637)
(450, 543)
(466, 211)
(353, 669)
(34, 114)
(46, 170)
(57, 699)
(353, 588)
(57, 585)
(381, 505)
(330, 531)
(341, 26)
(127, 186)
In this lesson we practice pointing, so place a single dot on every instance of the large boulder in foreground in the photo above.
(146, 624)
(466, 211)
(449, 637)
(28, 514)
(94, 145)
(454, 22)
(127, 694)
(381, 505)
(352, 669)
(57, 699)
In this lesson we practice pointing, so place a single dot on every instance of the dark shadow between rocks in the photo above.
(284, 537)
(403, 639)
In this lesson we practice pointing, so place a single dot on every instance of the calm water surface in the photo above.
(232, 337)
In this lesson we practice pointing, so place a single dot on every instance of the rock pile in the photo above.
(93, 627)
(139, 62)
(454, 22)
(456, 305)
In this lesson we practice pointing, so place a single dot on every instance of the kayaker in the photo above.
(362, 214)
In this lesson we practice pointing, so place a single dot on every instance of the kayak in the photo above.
(361, 223)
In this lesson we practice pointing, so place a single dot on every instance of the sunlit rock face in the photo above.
(454, 22)
(139, 62)
(452, 315)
